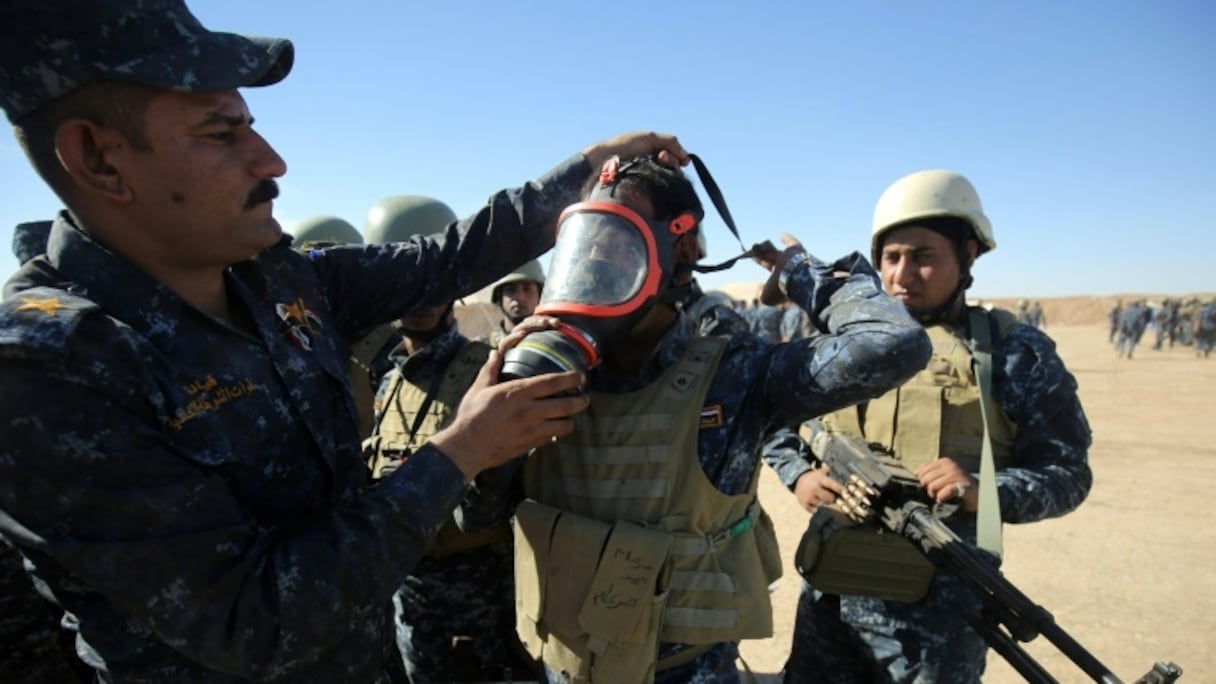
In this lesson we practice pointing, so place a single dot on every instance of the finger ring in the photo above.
(553, 439)
(959, 486)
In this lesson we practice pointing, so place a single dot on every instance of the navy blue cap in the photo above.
(51, 47)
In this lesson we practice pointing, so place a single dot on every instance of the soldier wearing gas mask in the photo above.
(641, 550)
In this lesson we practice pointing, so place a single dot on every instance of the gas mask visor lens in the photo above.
(601, 259)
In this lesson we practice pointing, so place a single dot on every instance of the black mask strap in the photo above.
(715, 196)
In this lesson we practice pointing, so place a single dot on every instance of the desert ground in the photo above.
(1131, 574)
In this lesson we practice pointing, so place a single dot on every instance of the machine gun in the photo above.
(880, 490)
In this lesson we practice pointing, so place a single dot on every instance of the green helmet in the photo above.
(396, 219)
(530, 271)
(324, 230)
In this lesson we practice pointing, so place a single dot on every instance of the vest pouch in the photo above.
(766, 545)
(533, 526)
(587, 594)
(839, 557)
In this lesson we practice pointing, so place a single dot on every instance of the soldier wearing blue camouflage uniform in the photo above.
(739, 389)
(175, 375)
(1132, 324)
(455, 612)
(928, 229)
(1205, 329)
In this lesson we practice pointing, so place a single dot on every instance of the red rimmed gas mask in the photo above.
(610, 265)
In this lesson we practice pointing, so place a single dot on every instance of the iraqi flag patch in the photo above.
(711, 417)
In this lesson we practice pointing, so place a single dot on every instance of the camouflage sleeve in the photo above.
(492, 497)
(33, 648)
(788, 456)
(221, 588)
(1050, 473)
(870, 345)
(372, 284)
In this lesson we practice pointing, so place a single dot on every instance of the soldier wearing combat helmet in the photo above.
(928, 230)
(517, 295)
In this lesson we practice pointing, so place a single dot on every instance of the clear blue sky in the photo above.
(1088, 126)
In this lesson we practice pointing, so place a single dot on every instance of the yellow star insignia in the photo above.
(49, 306)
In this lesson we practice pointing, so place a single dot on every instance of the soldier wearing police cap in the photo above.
(175, 373)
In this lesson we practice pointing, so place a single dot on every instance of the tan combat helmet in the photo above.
(398, 218)
(531, 271)
(928, 194)
(324, 231)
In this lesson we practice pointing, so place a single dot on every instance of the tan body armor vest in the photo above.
(391, 443)
(628, 543)
(936, 413)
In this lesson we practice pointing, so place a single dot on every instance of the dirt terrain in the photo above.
(1131, 574)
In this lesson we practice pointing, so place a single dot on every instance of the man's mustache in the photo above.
(264, 191)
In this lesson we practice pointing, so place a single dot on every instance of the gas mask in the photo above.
(610, 266)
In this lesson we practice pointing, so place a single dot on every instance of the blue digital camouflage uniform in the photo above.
(467, 595)
(863, 640)
(211, 521)
(874, 346)
(32, 646)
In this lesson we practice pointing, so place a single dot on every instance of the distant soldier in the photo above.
(1024, 315)
(1132, 324)
(517, 295)
(1164, 324)
(1037, 318)
(1115, 316)
(1205, 329)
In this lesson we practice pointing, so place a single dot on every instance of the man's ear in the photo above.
(92, 156)
(684, 252)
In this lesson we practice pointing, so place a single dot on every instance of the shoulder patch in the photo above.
(40, 321)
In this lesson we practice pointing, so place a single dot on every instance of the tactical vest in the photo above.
(362, 384)
(625, 542)
(937, 412)
(392, 443)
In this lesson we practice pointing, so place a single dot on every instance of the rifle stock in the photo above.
(892, 495)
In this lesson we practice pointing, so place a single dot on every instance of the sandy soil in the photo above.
(1131, 574)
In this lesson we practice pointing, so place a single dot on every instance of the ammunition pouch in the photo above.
(838, 556)
(589, 595)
